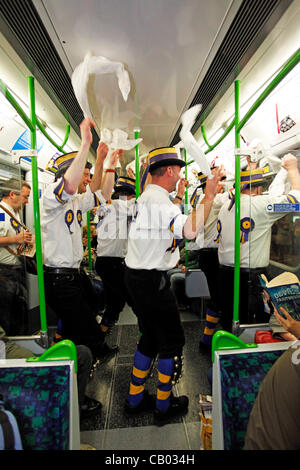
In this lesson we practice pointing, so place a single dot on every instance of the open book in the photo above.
(27, 249)
(284, 291)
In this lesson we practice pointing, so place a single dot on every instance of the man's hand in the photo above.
(212, 183)
(85, 130)
(289, 162)
(102, 151)
(25, 236)
(182, 184)
(130, 173)
(114, 158)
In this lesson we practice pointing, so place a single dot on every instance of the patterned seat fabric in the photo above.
(39, 399)
(241, 376)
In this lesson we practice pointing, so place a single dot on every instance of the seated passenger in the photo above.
(87, 405)
(273, 422)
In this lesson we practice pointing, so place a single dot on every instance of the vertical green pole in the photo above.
(137, 165)
(186, 209)
(36, 209)
(237, 209)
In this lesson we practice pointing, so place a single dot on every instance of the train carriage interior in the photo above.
(136, 67)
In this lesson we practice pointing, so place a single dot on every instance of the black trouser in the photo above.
(251, 306)
(112, 271)
(14, 317)
(84, 365)
(209, 263)
(71, 296)
(157, 311)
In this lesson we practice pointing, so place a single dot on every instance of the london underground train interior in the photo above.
(210, 88)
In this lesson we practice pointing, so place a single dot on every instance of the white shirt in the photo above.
(210, 227)
(61, 224)
(256, 234)
(155, 231)
(9, 228)
(112, 228)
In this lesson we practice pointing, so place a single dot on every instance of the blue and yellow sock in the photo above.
(211, 321)
(58, 336)
(164, 386)
(140, 370)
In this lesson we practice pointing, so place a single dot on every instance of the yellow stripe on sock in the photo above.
(209, 331)
(141, 374)
(212, 319)
(164, 378)
(135, 389)
(160, 395)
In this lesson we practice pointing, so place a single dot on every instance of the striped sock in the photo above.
(106, 323)
(140, 370)
(164, 386)
(58, 336)
(211, 321)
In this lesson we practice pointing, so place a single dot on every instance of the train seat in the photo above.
(196, 287)
(43, 397)
(237, 375)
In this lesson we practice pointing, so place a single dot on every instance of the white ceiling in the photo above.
(166, 46)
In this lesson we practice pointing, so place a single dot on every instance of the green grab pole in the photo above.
(212, 147)
(59, 147)
(67, 135)
(237, 208)
(16, 105)
(205, 138)
(291, 63)
(137, 166)
(226, 132)
(36, 210)
(88, 224)
(27, 121)
(186, 209)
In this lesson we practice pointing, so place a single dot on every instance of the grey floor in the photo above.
(110, 429)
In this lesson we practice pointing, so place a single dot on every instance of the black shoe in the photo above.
(178, 406)
(204, 347)
(147, 404)
(105, 353)
(89, 407)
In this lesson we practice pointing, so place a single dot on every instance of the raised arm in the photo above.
(102, 151)
(290, 163)
(74, 172)
(109, 177)
(183, 183)
(197, 217)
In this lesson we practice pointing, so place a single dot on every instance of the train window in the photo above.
(285, 242)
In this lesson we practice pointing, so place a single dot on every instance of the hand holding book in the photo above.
(284, 291)
(289, 323)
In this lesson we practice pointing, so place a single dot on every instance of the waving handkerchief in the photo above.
(118, 139)
(97, 65)
(190, 144)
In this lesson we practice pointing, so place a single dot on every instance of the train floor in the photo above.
(111, 429)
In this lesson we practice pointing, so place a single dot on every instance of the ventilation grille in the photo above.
(27, 34)
(253, 21)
